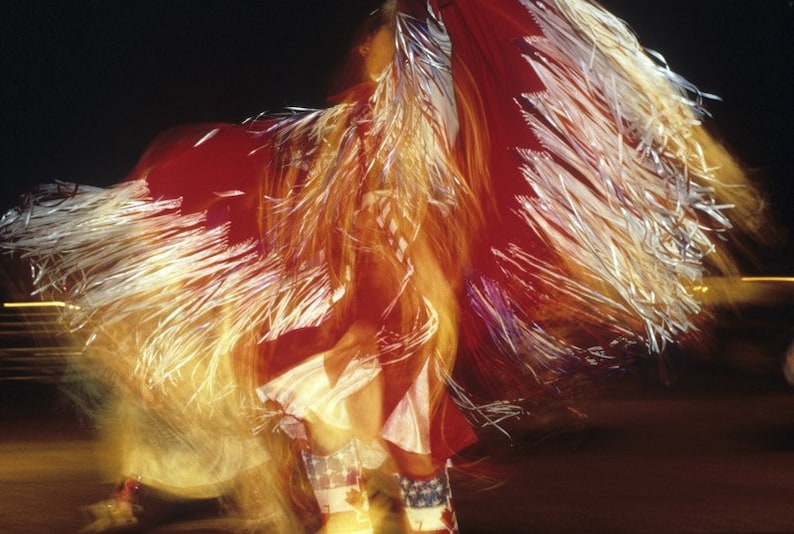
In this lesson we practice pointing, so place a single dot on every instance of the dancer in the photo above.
(509, 189)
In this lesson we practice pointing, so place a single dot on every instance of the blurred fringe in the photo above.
(630, 193)
(162, 305)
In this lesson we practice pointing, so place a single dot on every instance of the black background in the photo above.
(86, 84)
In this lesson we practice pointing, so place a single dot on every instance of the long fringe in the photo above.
(629, 193)
(166, 299)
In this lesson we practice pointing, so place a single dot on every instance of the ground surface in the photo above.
(715, 454)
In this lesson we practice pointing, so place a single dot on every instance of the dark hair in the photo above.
(350, 68)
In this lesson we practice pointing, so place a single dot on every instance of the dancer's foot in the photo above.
(339, 488)
(134, 507)
(427, 503)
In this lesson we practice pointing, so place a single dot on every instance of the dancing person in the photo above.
(506, 190)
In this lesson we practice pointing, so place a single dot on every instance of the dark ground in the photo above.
(714, 454)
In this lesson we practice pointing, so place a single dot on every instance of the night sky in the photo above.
(86, 84)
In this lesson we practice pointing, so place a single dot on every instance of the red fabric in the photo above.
(202, 164)
(195, 164)
(488, 67)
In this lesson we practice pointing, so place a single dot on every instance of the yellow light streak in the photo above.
(39, 304)
(786, 279)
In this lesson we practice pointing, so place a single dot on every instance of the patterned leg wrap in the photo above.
(428, 503)
(339, 489)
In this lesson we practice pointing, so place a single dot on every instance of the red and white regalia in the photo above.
(521, 184)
